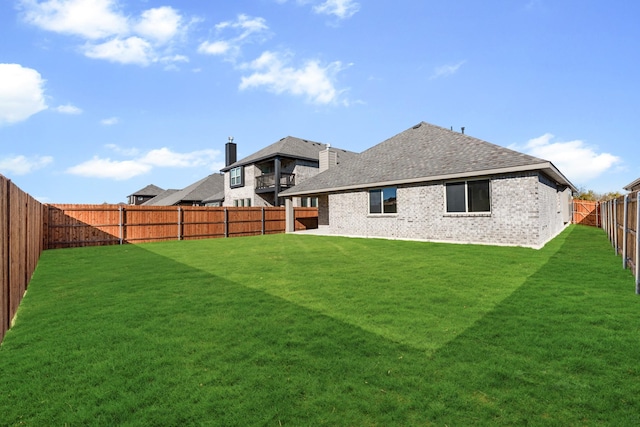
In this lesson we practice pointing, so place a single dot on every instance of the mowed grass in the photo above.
(306, 330)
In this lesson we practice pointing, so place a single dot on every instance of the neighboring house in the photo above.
(193, 195)
(431, 183)
(634, 186)
(156, 200)
(145, 194)
(258, 180)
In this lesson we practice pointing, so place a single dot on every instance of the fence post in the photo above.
(263, 221)
(625, 230)
(226, 222)
(637, 243)
(615, 225)
(121, 223)
(179, 223)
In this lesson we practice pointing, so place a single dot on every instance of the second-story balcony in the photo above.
(267, 182)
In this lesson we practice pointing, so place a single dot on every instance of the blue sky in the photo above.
(99, 98)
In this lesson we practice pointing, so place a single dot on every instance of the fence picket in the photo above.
(621, 223)
(90, 225)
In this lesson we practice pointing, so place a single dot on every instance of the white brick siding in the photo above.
(245, 192)
(525, 211)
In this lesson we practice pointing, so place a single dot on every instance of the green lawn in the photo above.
(299, 330)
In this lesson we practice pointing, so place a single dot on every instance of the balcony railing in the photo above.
(267, 181)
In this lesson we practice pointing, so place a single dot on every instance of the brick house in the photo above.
(200, 193)
(431, 183)
(144, 194)
(258, 179)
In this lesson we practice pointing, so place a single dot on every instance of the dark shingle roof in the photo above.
(195, 193)
(217, 197)
(156, 200)
(290, 147)
(422, 153)
(149, 190)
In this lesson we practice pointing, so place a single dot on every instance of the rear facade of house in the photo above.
(525, 209)
(430, 183)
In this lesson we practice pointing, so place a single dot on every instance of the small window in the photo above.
(383, 201)
(468, 196)
(247, 203)
(237, 177)
(309, 202)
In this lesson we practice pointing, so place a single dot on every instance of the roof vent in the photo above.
(462, 129)
(417, 126)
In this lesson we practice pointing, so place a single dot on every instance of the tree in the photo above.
(584, 194)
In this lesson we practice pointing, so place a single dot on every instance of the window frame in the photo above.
(467, 197)
(381, 201)
(308, 202)
(237, 180)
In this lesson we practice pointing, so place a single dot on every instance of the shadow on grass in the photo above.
(561, 350)
(98, 343)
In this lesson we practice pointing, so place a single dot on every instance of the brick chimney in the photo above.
(328, 158)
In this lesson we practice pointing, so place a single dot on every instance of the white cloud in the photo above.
(160, 24)
(108, 33)
(68, 109)
(110, 121)
(107, 168)
(21, 93)
(163, 157)
(446, 70)
(21, 165)
(130, 152)
(341, 9)
(247, 30)
(124, 169)
(312, 80)
(91, 19)
(219, 47)
(579, 162)
(132, 50)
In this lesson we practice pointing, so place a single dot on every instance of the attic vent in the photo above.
(282, 138)
(417, 126)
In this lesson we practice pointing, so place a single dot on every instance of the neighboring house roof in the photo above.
(424, 153)
(149, 190)
(635, 185)
(159, 197)
(290, 147)
(218, 197)
(195, 193)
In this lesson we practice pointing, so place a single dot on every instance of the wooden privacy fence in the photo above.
(68, 226)
(620, 219)
(587, 212)
(20, 247)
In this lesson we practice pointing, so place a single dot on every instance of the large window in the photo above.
(237, 177)
(468, 196)
(382, 201)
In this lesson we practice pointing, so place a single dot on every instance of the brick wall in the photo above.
(524, 212)
(245, 192)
